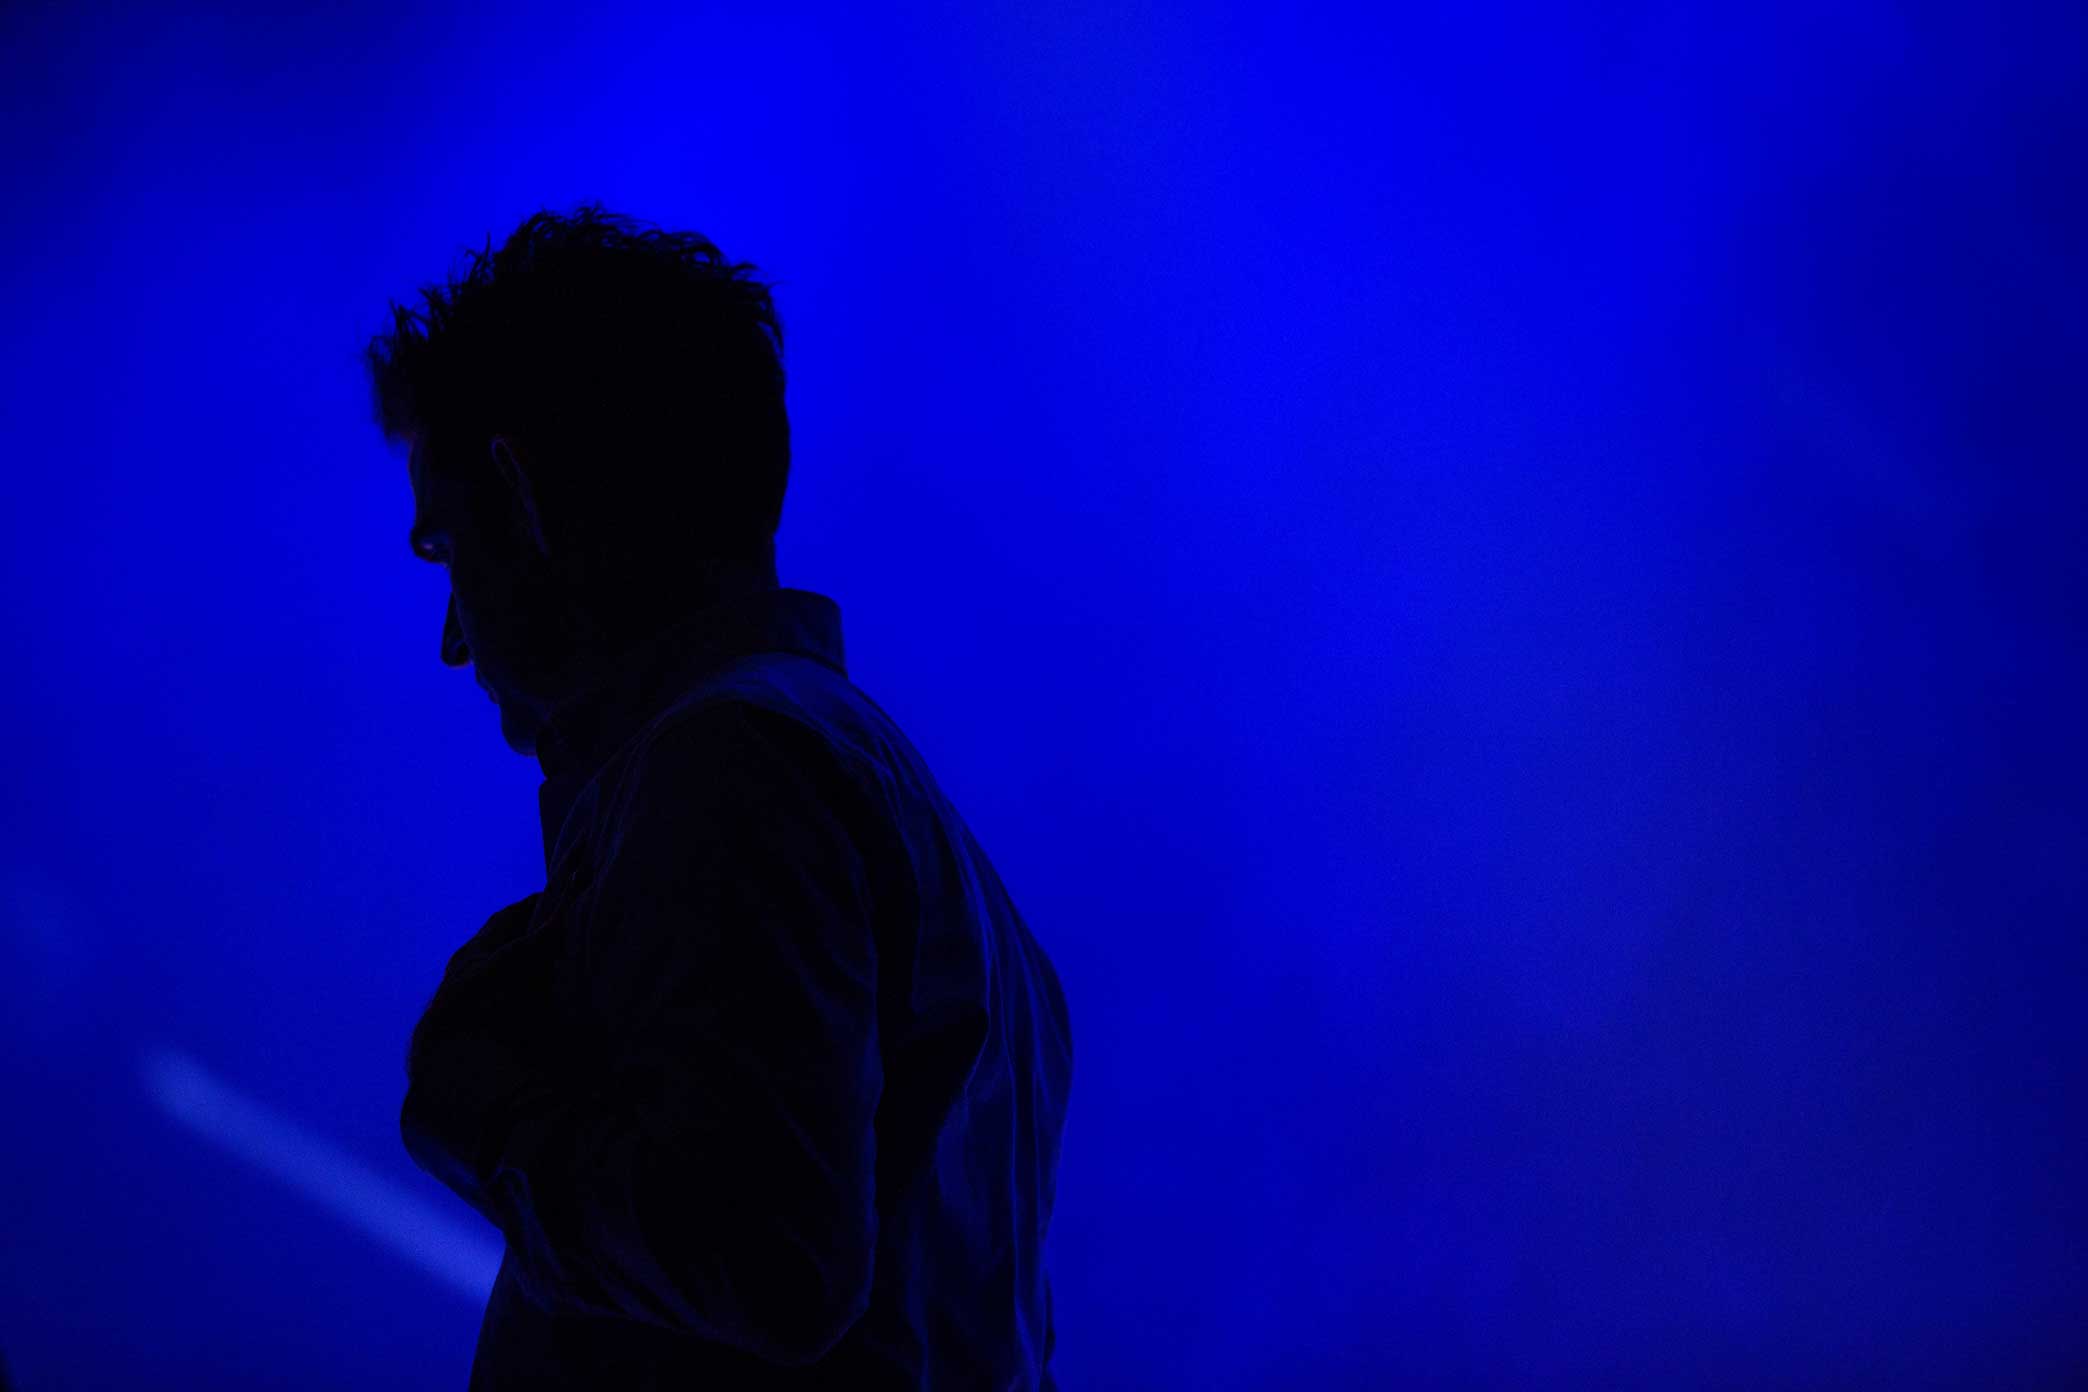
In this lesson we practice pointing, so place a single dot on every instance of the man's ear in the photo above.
(507, 458)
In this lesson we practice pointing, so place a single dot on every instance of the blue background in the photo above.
(1504, 587)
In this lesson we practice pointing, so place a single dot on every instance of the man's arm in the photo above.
(720, 1181)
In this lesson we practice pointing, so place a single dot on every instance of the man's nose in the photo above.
(454, 653)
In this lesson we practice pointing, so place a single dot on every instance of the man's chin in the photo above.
(519, 731)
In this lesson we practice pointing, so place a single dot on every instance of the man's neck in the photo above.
(636, 619)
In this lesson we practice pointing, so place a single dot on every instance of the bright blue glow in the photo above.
(1501, 582)
(428, 1237)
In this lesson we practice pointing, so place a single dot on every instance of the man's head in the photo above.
(597, 446)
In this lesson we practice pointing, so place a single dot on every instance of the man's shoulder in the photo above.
(779, 727)
(756, 714)
(732, 712)
(784, 698)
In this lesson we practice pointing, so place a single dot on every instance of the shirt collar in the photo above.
(646, 679)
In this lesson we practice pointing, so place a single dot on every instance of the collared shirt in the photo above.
(804, 1069)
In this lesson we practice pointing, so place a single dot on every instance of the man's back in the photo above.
(816, 1041)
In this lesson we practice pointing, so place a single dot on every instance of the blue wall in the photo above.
(1505, 589)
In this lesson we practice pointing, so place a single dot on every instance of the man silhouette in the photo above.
(765, 1087)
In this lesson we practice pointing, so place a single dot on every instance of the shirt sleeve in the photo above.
(719, 1179)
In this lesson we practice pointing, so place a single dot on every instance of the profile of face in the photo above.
(506, 616)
